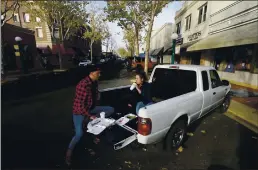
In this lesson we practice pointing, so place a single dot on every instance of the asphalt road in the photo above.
(36, 132)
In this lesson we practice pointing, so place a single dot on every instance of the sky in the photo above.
(167, 15)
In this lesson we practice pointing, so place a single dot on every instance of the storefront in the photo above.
(234, 54)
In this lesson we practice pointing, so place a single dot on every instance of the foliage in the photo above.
(8, 7)
(122, 52)
(65, 15)
(152, 8)
(96, 28)
(128, 14)
(129, 39)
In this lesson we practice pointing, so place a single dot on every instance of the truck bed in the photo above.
(119, 99)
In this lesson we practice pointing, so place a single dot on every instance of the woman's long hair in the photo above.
(142, 75)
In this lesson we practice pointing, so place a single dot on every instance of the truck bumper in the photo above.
(152, 138)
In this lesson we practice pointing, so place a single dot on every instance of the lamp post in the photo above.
(174, 36)
(19, 53)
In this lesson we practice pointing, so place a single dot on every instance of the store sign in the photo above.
(177, 50)
(194, 36)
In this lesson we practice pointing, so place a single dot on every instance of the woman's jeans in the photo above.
(140, 105)
(78, 122)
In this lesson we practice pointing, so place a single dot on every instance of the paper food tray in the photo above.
(98, 125)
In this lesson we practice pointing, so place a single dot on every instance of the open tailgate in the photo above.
(123, 135)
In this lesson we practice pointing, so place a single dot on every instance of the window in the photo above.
(202, 13)
(178, 28)
(26, 17)
(16, 18)
(169, 83)
(215, 80)
(205, 81)
(38, 19)
(188, 22)
(39, 32)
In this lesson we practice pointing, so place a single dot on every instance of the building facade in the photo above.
(223, 34)
(161, 42)
(25, 20)
(74, 47)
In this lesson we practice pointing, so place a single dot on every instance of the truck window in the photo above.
(169, 83)
(205, 81)
(215, 80)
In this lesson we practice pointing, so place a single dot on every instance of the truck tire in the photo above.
(225, 105)
(175, 136)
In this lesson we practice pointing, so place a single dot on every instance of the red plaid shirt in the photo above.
(83, 97)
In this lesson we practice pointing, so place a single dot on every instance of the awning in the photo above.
(247, 34)
(188, 44)
(158, 51)
(167, 47)
(152, 51)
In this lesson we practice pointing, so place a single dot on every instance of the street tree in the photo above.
(152, 9)
(122, 52)
(127, 14)
(63, 17)
(107, 39)
(113, 44)
(8, 8)
(96, 28)
(129, 39)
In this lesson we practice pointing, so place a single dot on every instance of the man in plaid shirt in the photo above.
(84, 106)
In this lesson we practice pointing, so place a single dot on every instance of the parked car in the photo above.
(84, 62)
(182, 94)
(139, 63)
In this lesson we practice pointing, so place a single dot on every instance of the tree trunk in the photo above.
(147, 51)
(106, 48)
(2, 54)
(137, 41)
(59, 46)
(91, 52)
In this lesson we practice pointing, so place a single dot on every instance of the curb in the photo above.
(244, 84)
(231, 114)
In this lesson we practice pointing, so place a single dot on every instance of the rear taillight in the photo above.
(144, 126)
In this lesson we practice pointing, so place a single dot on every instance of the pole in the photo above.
(173, 51)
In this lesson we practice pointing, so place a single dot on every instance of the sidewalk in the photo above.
(245, 109)
(13, 76)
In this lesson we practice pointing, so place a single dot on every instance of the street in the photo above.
(36, 132)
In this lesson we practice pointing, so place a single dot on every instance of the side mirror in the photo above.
(225, 82)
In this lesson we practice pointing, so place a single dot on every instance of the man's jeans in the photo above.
(140, 105)
(78, 122)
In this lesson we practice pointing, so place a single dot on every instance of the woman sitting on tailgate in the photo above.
(143, 89)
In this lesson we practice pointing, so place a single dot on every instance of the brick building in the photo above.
(75, 46)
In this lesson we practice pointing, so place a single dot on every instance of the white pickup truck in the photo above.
(183, 94)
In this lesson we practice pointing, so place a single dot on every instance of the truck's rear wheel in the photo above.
(175, 135)
(225, 105)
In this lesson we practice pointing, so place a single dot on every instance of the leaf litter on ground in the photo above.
(189, 134)
(180, 149)
(203, 131)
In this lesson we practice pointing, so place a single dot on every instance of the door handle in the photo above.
(214, 93)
